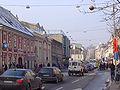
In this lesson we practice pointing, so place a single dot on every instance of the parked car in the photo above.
(93, 62)
(85, 69)
(50, 74)
(90, 67)
(20, 79)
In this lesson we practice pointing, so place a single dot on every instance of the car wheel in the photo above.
(82, 73)
(79, 74)
(61, 79)
(57, 80)
(28, 87)
(40, 87)
(69, 74)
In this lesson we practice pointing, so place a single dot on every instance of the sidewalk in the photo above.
(115, 86)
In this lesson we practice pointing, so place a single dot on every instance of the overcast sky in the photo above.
(63, 15)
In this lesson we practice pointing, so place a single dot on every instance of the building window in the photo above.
(4, 40)
(24, 44)
(10, 41)
(19, 42)
(15, 41)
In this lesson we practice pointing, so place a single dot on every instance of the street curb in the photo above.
(108, 84)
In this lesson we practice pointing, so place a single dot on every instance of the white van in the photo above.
(75, 68)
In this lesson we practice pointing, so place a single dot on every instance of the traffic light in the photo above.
(115, 45)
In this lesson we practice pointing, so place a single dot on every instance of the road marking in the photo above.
(78, 89)
(82, 77)
(76, 81)
(43, 87)
(92, 74)
(59, 88)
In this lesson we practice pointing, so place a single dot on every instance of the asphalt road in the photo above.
(70, 82)
(98, 83)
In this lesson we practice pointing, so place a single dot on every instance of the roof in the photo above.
(20, 69)
(49, 67)
(9, 20)
(35, 27)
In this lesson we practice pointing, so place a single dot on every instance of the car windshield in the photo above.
(46, 70)
(74, 63)
(14, 73)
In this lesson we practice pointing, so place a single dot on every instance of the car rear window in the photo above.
(14, 73)
(46, 70)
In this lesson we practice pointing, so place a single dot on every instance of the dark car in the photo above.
(50, 74)
(85, 69)
(20, 79)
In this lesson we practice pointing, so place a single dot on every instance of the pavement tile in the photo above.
(115, 86)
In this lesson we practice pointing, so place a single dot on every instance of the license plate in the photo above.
(45, 75)
(7, 81)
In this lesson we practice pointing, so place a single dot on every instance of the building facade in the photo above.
(57, 53)
(42, 43)
(16, 42)
(77, 52)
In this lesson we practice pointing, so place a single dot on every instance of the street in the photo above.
(98, 83)
(70, 82)
(90, 81)
(59, 44)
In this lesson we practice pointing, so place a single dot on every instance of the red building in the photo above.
(16, 42)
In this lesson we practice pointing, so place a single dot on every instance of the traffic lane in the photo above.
(70, 83)
(54, 86)
(98, 83)
(79, 83)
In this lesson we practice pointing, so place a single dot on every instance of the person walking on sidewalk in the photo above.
(112, 71)
(118, 72)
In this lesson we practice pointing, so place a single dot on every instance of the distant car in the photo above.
(75, 67)
(20, 79)
(90, 67)
(85, 69)
(93, 62)
(50, 74)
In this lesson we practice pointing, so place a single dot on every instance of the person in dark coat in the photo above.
(48, 64)
(112, 71)
(118, 73)
(5, 67)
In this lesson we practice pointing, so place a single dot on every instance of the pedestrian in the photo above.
(10, 64)
(48, 64)
(39, 67)
(112, 71)
(117, 78)
(5, 67)
(19, 66)
(13, 65)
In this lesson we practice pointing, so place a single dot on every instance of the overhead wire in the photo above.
(52, 5)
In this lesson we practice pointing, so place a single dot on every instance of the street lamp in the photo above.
(91, 7)
(28, 7)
